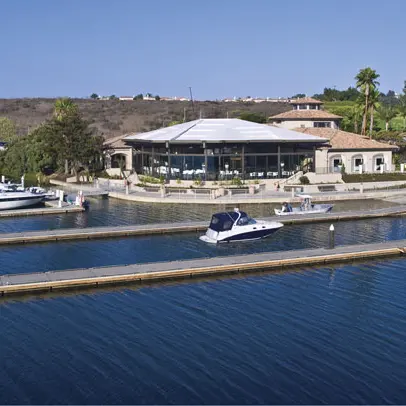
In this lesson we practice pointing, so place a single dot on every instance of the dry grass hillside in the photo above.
(114, 117)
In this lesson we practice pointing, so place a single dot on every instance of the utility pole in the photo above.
(191, 98)
(184, 114)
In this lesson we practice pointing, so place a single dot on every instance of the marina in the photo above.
(160, 271)
(88, 233)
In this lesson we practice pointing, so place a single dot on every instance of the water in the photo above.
(328, 335)
(110, 212)
(332, 335)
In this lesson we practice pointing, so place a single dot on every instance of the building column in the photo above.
(142, 159)
(205, 162)
(168, 152)
(279, 162)
(243, 162)
(314, 160)
(153, 161)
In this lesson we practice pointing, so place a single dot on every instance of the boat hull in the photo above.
(317, 209)
(213, 237)
(17, 203)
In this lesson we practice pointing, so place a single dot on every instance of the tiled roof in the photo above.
(306, 100)
(305, 114)
(339, 139)
(115, 142)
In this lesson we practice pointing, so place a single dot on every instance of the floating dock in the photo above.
(51, 208)
(89, 233)
(161, 271)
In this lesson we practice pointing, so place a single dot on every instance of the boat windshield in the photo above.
(246, 220)
(225, 221)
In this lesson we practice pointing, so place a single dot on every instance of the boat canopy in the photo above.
(224, 221)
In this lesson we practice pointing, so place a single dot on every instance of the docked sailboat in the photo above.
(238, 226)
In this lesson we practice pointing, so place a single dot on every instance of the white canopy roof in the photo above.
(223, 130)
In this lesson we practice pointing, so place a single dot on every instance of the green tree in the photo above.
(7, 130)
(138, 97)
(94, 96)
(298, 96)
(386, 114)
(113, 97)
(157, 97)
(402, 109)
(254, 117)
(64, 107)
(78, 145)
(366, 82)
(373, 105)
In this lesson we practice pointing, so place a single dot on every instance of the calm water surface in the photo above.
(332, 335)
(327, 335)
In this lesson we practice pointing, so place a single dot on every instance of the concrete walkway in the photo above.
(160, 271)
(31, 237)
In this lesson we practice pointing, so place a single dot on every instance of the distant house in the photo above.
(148, 97)
(306, 113)
(358, 154)
(126, 98)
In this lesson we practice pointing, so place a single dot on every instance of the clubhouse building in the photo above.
(217, 149)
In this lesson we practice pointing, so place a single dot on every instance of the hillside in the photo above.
(114, 117)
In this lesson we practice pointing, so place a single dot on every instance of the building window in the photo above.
(322, 124)
(312, 106)
(302, 106)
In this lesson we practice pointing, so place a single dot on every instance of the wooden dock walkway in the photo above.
(160, 271)
(41, 211)
(184, 227)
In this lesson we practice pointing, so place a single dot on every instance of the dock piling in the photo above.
(331, 242)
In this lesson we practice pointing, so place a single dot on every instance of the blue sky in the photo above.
(222, 48)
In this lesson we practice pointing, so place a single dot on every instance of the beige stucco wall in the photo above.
(324, 160)
(127, 152)
(291, 124)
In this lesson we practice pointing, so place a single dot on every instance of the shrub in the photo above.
(236, 181)
(150, 179)
(304, 180)
(178, 181)
(342, 169)
(198, 182)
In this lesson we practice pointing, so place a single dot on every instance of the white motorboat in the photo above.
(237, 226)
(14, 199)
(306, 207)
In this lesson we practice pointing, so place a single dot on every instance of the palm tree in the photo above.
(366, 81)
(373, 105)
(356, 113)
(386, 113)
(64, 107)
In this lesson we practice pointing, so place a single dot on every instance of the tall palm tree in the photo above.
(373, 105)
(64, 107)
(386, 113)
(366, 82)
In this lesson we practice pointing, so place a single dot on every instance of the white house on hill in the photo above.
(306, 113)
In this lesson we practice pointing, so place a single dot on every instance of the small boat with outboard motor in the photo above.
(238, 226)
(306, 207)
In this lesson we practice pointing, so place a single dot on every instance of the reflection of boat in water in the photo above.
(306, 207)
(237, 226)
